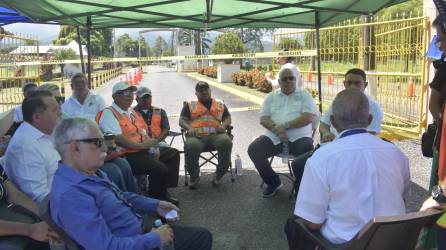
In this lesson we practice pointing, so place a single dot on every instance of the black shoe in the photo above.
(172, 200)
(271, 190)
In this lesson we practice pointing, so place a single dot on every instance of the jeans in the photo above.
(119, 172)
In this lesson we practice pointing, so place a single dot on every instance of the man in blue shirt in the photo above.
(94, 212)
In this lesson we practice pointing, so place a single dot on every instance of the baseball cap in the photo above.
(122, 86)
(142, 91)
(201, 86)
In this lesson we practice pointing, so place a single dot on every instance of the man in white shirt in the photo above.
(83, 102)
(31, 160)
(354, 78)
(287, 114)
(353, 179)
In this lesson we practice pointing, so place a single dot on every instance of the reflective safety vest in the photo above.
(205, 120)
(441, 172)
(134, 129)
(155, 123)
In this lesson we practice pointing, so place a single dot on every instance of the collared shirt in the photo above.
(294, 69)
(97, 215)
(31, 160)
(375, 111)
(283, 108)
(108, 122)
(351, 180)
(92, 105)
(18, 114)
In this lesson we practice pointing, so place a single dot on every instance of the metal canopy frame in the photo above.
(210, 19)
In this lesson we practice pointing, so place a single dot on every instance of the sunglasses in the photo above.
(287, 78)
(126, 93)
(60, 99)
(98, 142)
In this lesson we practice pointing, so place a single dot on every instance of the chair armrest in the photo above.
(173, 133)
(317, 238)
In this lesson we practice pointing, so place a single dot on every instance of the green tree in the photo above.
(126, 46)
(63, 54)
(228, 43)
(290, 43)
(144, 47)
(160, 46)
(252, 37)
(100, 40)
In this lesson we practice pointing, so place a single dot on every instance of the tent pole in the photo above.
(81, 53)
(89, 51)
(318, 51)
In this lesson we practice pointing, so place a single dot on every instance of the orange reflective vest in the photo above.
(155, 123)
(135, 131)
(205, 120)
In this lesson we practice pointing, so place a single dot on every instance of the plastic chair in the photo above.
(381, 233)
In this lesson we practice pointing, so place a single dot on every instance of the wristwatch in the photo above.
(437, 194)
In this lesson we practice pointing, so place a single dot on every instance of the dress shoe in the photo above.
(172, 200)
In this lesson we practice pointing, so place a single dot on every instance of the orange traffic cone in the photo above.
(330, 79)
(411, 87)
(309, 77)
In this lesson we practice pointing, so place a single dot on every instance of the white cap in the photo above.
(122, 86)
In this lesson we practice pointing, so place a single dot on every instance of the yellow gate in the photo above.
(391, 51)
(16, 48)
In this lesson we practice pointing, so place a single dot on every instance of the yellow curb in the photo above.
(246, 96)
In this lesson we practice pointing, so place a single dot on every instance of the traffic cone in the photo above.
(309, 77)
(330, 79)
(411, 87)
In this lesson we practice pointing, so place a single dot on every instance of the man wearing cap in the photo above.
(158, 124)
(130, 130)
(206, 121)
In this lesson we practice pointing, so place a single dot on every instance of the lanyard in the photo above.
(353, 132)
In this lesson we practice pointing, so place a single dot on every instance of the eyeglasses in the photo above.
(353, 82)
(60, 99)
(287, 78)
(126, 93)
(98, 142)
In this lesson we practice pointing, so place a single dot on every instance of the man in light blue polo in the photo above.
(287, 114)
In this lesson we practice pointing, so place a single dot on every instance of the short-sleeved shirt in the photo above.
(439, 81)
(350, 181)
(18, 114)
(92, 105)
(147, 115)
(185, 112)
(108, 122)
(375, 111)
(283, 108)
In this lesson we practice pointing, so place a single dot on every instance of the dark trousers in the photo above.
(191, 238)
(296, 238)
(119, 172)
(160, 176)
(171, 157)
(441, 238)
(298, 166)
(263, 148)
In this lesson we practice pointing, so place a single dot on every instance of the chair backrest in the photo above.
(45, 214)
(394, 232)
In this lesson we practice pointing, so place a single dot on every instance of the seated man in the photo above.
(356, 79)
(287, 114)
(206, 121)
(85, 103)
(141, 151)
(158, 124)
(96, 214)
(351, 180)
(30, 159)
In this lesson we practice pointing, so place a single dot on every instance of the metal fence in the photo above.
(16, 48)
(392, 52)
